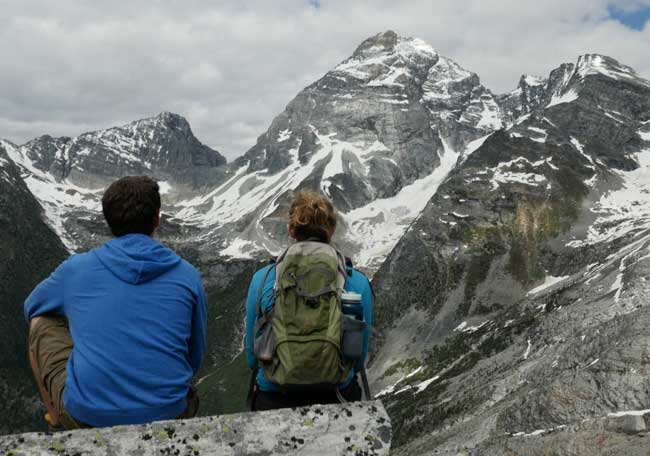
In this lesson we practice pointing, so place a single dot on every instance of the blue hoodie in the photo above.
(137, 314)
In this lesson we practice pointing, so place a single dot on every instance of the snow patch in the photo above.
(377, 227)
(534, 80)
(390, 389)
(56, 198)
(621, 211)
(507, 177)
(629, 413)
(465, 328)
(617, 286)
(541, 132)
(567, 97)
(284, 135)
(538, 431)
(549, 281)
(645, 135)
(474, 145)
(164, 187)
(527, 353)
(425, 384)
(240, 248)
(491, 115)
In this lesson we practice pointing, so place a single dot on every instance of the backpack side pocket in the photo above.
(264, 342)
(352, 331)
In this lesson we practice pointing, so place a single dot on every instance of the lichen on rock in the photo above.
(352, 428)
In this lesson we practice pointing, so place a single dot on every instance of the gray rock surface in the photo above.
(381, 120)
(519, 296)
(529, 96)
(603, 436)
(163, 146)
(354, 429)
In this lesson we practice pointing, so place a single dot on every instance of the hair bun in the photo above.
(312, 215)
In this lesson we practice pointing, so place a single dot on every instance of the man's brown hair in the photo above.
(131, 205)
(312, 216)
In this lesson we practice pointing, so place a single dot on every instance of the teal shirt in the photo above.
(356, 282)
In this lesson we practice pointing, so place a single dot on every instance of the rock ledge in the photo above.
(354, 428)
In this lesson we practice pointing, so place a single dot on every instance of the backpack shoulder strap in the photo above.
(342, 268)
(260, 290)
(250, 398)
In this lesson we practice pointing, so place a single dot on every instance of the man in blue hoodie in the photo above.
(117, 333)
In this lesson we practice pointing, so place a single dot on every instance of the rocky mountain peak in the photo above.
(165, 124)
(384, 40)
(384, 125)
(528, 96)
(385, 58)
(163, 145)
(589, 64)
(390, 42)
(164, 121)
(529, 80)
(3, 145)
(597, 74)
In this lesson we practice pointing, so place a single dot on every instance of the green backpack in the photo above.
(298, 343)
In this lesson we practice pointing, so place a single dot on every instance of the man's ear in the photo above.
(290, 230)
(156, 222)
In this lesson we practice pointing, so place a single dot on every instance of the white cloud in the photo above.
(230, 67)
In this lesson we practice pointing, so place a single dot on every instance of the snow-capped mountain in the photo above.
(163, 145)
(525, 279)
(69, 175)
(377, 134)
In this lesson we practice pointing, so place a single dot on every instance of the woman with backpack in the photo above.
(308, 317)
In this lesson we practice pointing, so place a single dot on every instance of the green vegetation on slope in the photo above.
(29, 251)
(416, 413)
(224, 390)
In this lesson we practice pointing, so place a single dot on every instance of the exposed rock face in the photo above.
(359, 428)
(383, 126)
(393, 93)
(529, 96)
(163, 146)
(475, 347)
(68, 175)
(605, 435)
(29, 250)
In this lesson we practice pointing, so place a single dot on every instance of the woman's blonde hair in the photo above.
(312, 216)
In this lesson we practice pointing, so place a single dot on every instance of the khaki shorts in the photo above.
(51, 343)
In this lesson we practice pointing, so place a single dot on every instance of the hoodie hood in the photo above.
(136, 258)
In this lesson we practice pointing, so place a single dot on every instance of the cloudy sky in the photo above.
(230, 66)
